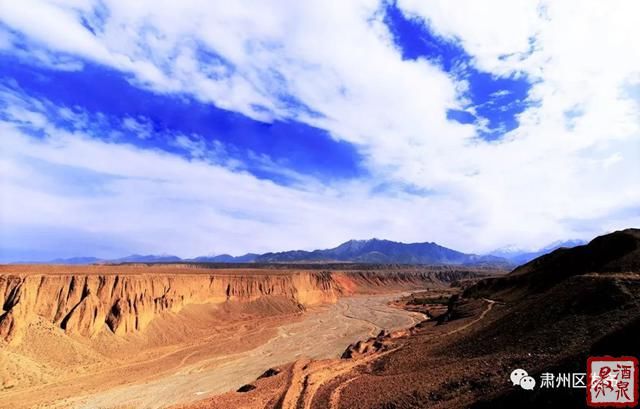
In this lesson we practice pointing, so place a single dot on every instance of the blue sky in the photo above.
(97, 90)
(493, 102)
(196, 128)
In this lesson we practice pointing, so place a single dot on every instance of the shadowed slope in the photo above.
(617, 252)
(545, 316)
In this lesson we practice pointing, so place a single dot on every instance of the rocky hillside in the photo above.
(618, 252)
(559, 309)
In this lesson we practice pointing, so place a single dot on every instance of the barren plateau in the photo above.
(314, 336)
(150, 336)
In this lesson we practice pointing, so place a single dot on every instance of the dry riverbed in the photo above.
(221, 364)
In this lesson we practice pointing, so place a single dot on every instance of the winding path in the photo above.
(334, 401)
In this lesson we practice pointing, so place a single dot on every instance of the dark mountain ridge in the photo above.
(617, 252)
(374, 251)
(383, 251)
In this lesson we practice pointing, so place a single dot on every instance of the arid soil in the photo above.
(151, 336)
(307, 383)
(546, 316)
(460, 359)
(320, 334)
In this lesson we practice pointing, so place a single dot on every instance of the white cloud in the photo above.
(139, 127)
(490, 30)
(164, 203)
(542, 181)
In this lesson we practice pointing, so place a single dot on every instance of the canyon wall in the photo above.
(85, 303)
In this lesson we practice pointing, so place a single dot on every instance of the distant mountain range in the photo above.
(134, 258)
(381, 251)
(355, 251)
(152, 258)
(226, 258)
(518, 257)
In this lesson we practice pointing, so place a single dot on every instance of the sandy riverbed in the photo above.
(220, 364)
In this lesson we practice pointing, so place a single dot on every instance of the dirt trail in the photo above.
(334, 400)
(490, 304)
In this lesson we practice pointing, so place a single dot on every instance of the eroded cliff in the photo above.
(124, 299)
(86, 304)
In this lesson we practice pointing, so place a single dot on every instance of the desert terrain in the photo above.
(151, 336)
(548, 315)
(332, 336)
